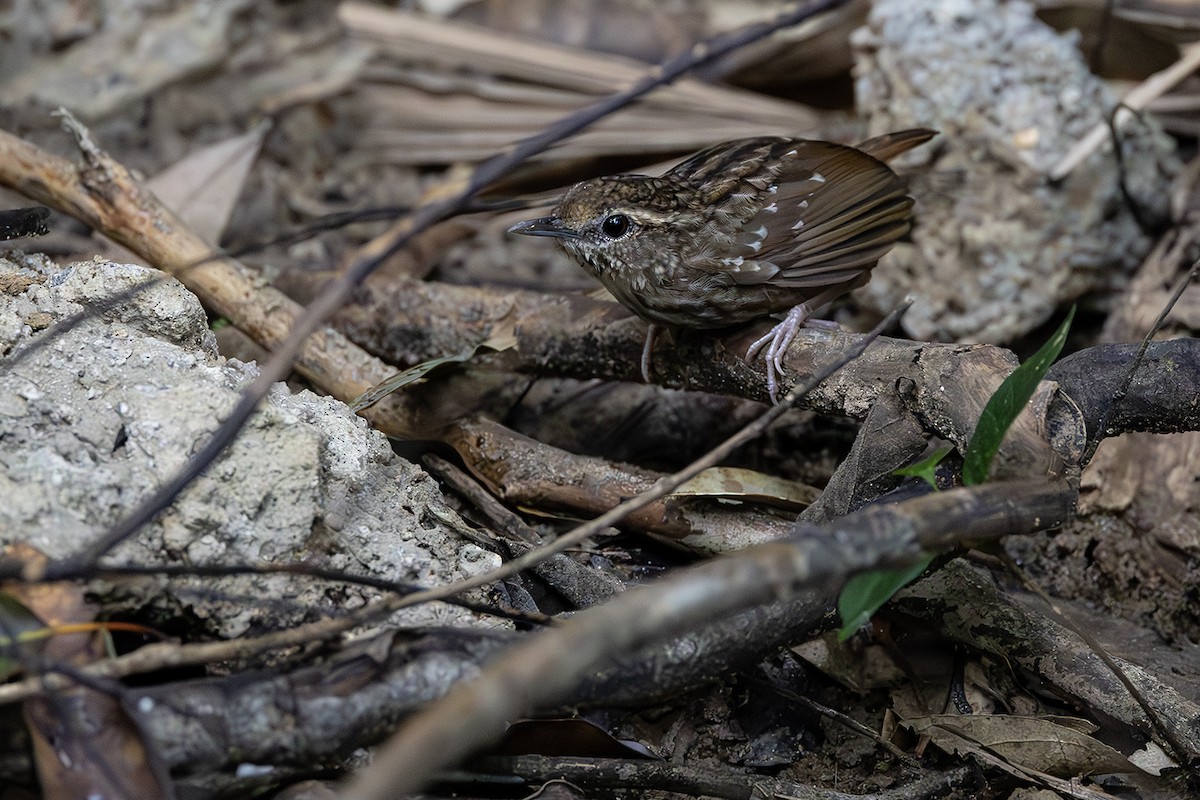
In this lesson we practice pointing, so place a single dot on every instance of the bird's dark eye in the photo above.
(615, 226)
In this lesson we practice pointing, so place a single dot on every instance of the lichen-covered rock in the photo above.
(998, 246)
(94, 418)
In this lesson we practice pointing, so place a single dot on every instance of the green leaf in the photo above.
(1006, 404)
(926, 469)
(864, 594)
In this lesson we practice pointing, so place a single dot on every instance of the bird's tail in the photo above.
(890, 145)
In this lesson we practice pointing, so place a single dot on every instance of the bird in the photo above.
(744, 229)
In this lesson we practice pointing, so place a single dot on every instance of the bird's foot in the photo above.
(776, 343)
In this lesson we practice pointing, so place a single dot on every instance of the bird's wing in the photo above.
(810, 214)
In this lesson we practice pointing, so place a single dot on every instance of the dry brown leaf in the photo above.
(203, 187)
(84, 745)
(1038, 743)
(54, 604)
(735, 483)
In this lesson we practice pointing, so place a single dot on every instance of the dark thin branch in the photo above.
(606, 775)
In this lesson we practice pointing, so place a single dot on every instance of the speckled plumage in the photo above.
(741, 230)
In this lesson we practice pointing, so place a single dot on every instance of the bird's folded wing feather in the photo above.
(821, 215)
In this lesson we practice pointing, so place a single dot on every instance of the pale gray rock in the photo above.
(94, 418)
(997, 247)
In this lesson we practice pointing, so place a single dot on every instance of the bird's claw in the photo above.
(776, 342)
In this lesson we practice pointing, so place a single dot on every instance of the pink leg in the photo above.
(777, 342)
(648, 350)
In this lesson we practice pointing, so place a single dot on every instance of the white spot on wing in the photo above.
(799, 224)
(772, 208)
(818, 177)
(803, 204)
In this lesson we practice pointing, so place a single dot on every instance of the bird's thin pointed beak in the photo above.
(544, 226)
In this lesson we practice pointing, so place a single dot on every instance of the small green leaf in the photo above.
(926, 469)
(864, 594)
(1006, 404)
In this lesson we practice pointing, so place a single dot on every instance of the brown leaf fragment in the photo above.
(1037, 743)
(203, 187)
(84, 745)
(735, 483)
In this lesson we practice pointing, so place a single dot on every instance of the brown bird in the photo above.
(741, 230)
